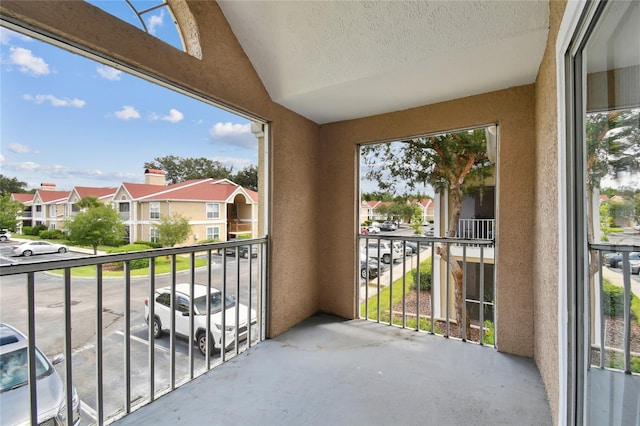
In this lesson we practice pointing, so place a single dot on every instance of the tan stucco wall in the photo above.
(513, 109)
(223, 74)
(545, 241)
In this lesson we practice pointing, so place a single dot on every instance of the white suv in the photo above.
(384, 251)
(5, 235)
(162, 317)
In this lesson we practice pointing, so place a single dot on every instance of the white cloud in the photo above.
(6, 35)
(236, 135)
(19, 148)
(127, 113)
(27, 62)
(56, 102)
(1, 159)
(109, 73)
(174, 116)
(155, 21)
(238, 163)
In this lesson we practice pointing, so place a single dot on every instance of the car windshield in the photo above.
(14, 371)
(216, 303)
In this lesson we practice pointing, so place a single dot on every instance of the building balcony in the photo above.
(401, 362)
(239, 226)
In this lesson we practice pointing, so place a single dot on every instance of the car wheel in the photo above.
(363, 273)
(245, 254)
(386, 258)
(157, 328)
(62, 250)
(202, 343)
(27, 253)
(3, 238)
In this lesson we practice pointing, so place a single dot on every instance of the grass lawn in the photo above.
(163, 265)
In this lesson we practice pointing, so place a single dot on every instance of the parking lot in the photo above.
(50, 325)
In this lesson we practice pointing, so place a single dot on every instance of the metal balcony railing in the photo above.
(417, 289)
(610, 296)
(476, 229)
(244, 279)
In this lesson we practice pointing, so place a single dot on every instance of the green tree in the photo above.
(95, 226)
(247, 177)
(173, 229)
(89, 202)
(9, 211)
(9, 186)
(450, 163)
(179, 169)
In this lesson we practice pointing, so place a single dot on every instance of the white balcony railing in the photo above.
(476, 229)
(88, 358)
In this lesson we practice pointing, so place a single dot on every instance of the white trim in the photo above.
(570, 20)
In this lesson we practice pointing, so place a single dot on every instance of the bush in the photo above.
(212, 240)
(149, 244)
(489, 334)
(425, 276)
(613, 300)
(33, 230)
(27, 230)
(53, 234)
(134, 264)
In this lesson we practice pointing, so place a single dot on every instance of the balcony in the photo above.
(239, 226)
(379, 369)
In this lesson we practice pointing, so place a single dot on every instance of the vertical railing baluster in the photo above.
(626, 274)
(418, 287)
(249, 317)
(404, 283)
(366, 283)
(600, 310)
(462, 328)
(208, 321)
(379, 281)
(99, 349)
(447, 290)
(172, 331)
(67, 345)
(127, 336)
(223, 340)
(192, 283)
(481, 290)
(237, 310)
(31, 347)
(433, 260)
(152, 337)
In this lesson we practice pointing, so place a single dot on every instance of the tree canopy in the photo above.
(95, 226)
(9, 210)
(173, 229)
(9, 185)
(179, 169)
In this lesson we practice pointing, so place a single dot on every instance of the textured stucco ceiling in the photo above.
(336, 60)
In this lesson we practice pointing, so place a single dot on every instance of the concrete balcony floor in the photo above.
(328, 371)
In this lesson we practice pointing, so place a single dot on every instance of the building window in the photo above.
(153, 235)
(213, 232)
(213, 210)
(603, 164)
(52, 211)
(154, 210)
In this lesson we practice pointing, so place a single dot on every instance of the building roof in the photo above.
(425, 202)
(23, 198)
(89, 191)
(191, 190)
(52, 196)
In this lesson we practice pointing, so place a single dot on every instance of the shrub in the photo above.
(53, 234)
(38, 229)
(490, 333)
(212, 240)
(27, 230)
(149, 244)
(134, 264)
(613, 300)
(425, 276)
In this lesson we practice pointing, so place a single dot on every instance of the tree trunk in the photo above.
(95, 249)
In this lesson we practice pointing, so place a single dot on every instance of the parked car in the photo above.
(37, 247)
(635, 266)
(5, 235)
(162, 317)
(400, 246)
(615, 260)
(384, 251)
(373, 229)
(413, 246)
(243, 251)
(368, 269)
(14, 388)
(388, 225)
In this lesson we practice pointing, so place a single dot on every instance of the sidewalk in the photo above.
(616, 278)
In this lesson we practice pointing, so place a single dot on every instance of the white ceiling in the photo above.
(337, 60)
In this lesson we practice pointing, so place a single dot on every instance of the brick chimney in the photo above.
(47, 186)
(154, 177)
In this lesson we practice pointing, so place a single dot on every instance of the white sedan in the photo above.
(37, 247)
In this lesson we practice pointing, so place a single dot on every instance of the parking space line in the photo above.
(90, 411)
(145, 342)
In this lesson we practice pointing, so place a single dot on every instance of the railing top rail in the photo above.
(21, 268)
(614, 247)
(422, 239)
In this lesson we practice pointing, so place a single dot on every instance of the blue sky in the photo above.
(71, 121)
